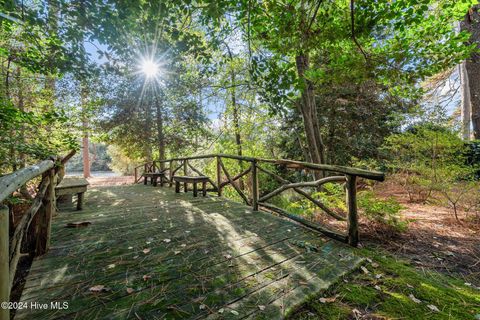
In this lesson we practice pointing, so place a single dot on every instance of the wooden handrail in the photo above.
(348, 177)
(293, 164)
(14, 180)
(42, 209)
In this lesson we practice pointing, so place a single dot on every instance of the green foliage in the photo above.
(386, 212)
(432, 160)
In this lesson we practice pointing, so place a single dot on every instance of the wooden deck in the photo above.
(162, 255)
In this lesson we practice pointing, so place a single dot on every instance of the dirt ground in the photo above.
(110, 181)
(434, 240)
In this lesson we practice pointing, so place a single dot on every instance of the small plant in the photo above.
(385, 212)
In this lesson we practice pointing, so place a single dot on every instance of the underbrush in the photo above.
(381, 214)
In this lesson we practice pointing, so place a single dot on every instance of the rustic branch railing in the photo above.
(345, 175)
(40, 212)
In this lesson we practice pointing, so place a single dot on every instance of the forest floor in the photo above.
(110, 181)
(434, 239)
(429, 272)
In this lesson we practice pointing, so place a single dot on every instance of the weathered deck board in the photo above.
(208, 258)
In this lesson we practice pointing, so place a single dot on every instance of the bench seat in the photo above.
(194, 180)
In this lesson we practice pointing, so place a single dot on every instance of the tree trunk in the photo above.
(308, 109)
(53, 13)
(85, 139)
(471, 24)
(236, 115)
(465, 103)
(148, 131)
(160, 134)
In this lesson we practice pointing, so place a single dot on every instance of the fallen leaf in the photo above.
(130, 248)
(409, 286)
(369, 260)
(177, 252)
(433, 308)
(110, 266)
(166, 240)
(374, 264)
(327, 300)
(135, 257)
(148, 242)
(261, 307)
(187, 231)
(99, 288)
(468, 284)
(377, 287)
(130, 290)
(365, 270)
(378, 276)
(221, 310)
(202, 306)
(183, 245)
(234, 312)
(356, 313)
(412, 297)
(147, 250)
(146, 277)
(227, 256)
(154, 219)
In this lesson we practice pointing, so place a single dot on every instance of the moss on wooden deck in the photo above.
(162, 255)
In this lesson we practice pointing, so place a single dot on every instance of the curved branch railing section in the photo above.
(34, 224)
(255, 198)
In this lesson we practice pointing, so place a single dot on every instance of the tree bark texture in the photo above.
(471, 24)
(308, 110)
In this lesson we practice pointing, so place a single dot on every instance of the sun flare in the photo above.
(150, 68)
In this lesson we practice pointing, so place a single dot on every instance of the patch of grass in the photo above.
(392, 289)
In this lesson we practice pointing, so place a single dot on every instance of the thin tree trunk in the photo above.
(148, 131)
(465, 103)
(236, 115)
(53, 12)
(85, 139)
(160, 133)
(471, 24)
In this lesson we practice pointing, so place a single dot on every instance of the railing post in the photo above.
(219, 177)
(352, 210)
(254, 186)
(136, 173)
(45, 216)
(185, 164)
(170, 176)
(4, 266)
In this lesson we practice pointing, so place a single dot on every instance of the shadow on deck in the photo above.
(162, 255)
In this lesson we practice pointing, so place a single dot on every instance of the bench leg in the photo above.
(161, 181)
(177, 187)
(185, 189)
(204, 189)
(195, 190)
(154, 181)
(80, 201)
(145, 180)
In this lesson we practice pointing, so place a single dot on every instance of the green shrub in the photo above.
(385, 212)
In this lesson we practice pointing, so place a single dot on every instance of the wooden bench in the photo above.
(154, 177)
(193, 180)
(70, 186)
